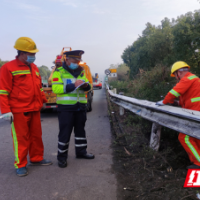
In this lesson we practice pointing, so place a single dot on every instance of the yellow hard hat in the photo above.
(26, 44)
(178, 65)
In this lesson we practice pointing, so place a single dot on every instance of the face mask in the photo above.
(30, 59)
(73, 66)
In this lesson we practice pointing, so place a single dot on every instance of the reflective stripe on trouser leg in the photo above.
(15, 145)
(62, 147)
(79, 131)
(80, 145)
(66, 123)
(187, 143)
(192, 148)
(21, 138)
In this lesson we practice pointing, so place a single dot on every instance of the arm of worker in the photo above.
(70, 87)
(57, 83)
(6, 79)
(87, 86)
(178, 90)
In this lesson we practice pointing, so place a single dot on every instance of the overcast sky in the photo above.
(102, 28)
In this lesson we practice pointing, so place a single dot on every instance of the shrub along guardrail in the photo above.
(179, 119)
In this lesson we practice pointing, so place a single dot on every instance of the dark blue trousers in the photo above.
(69, 120)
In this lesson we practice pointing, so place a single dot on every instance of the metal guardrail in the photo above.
(179, 119)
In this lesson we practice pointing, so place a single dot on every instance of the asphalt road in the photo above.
(82, 179)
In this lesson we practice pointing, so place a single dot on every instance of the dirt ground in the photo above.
(141, 172)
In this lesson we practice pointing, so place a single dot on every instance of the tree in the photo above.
(171, 41)
(44, 72)
(2, 62)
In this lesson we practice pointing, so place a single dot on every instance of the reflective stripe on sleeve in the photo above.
(192, 77)
(176, 94)
(4, 92)
(195, 99)
(192, 148)
(37, 73)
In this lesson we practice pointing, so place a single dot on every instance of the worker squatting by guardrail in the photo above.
(179, 119)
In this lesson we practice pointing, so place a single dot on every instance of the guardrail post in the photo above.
(121, 109)
(155, 136)
(115, 90)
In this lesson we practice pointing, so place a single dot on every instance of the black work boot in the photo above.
(86, 156)
(62, 163)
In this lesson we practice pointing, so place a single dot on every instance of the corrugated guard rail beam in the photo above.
(179, 119)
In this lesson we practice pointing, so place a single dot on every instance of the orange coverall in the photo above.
(188, 90)
(21, 93)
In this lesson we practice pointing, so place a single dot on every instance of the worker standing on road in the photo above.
(69, 83)
(188, 92)
(21, 99)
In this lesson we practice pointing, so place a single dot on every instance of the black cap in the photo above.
(74, 54)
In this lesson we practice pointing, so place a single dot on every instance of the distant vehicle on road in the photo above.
(97, 83)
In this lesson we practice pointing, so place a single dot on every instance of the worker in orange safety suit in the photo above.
(188, 92)
(21, 99)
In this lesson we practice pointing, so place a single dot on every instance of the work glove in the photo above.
(160, 103)
(8, 116)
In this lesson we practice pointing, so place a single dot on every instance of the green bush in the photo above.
(150, 85)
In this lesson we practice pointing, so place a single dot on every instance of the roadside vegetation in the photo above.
(2, 63)
(44, 72)
(145, 74)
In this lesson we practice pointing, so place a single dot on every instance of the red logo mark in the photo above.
(55, 79)
(192, 178)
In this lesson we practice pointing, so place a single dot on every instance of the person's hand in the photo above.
(176, 103)
(160, 103)
(44, 106)
(8, 116)
(78, 82)
(84, 85)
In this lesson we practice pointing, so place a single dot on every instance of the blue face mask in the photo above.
(73, 66)
(30, 59)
